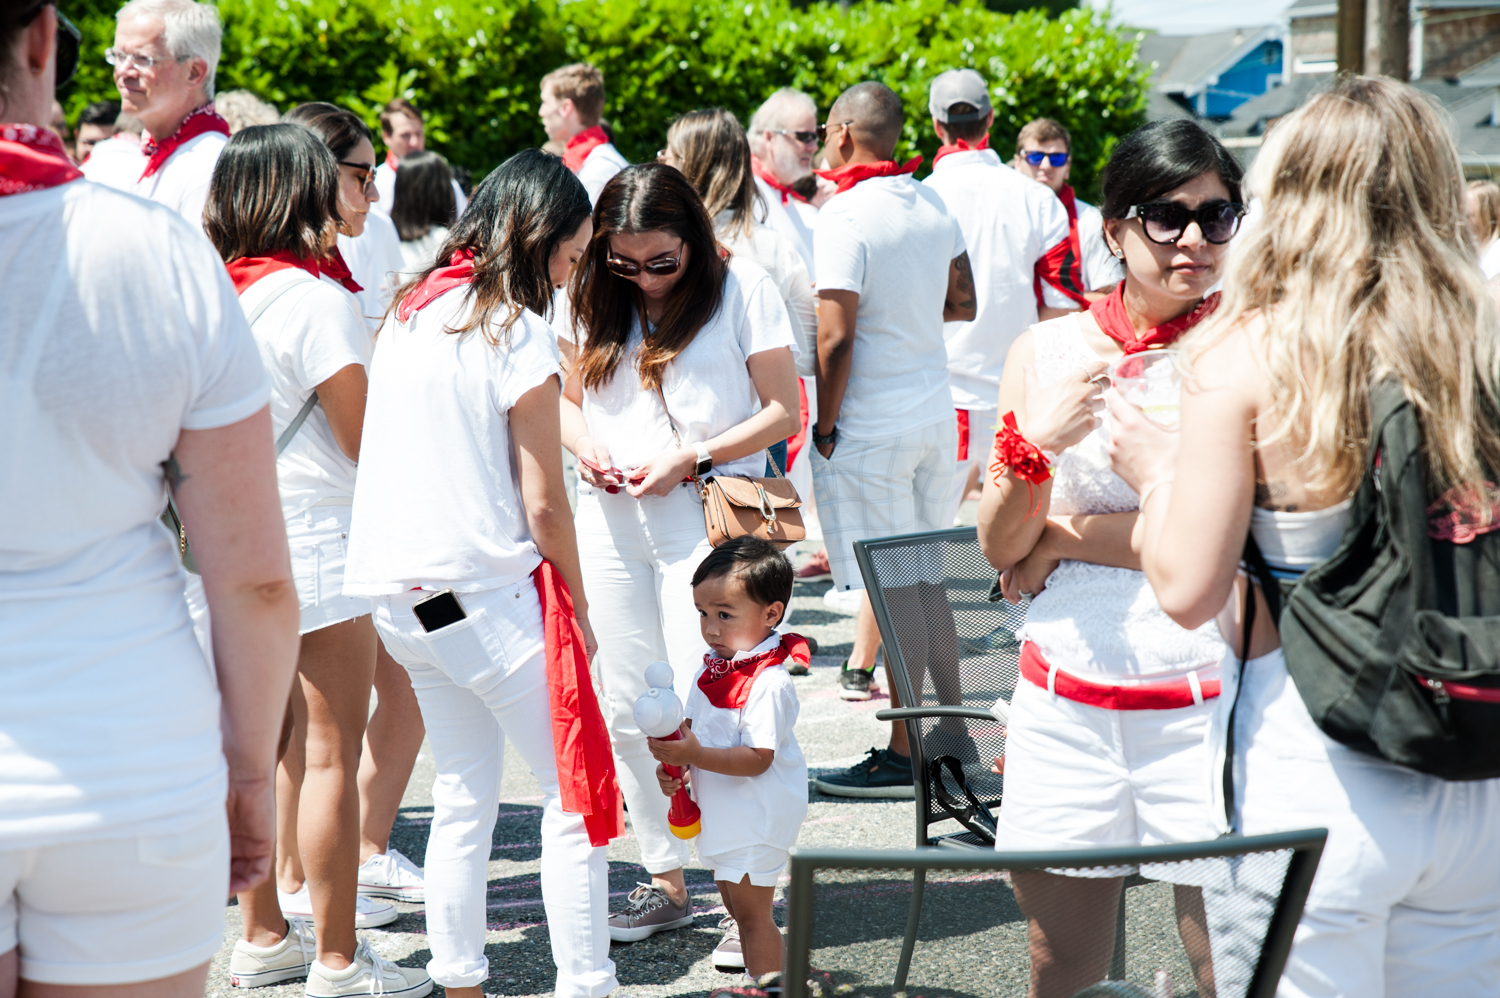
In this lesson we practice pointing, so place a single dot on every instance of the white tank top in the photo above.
(1095, 618)
(1294, 542)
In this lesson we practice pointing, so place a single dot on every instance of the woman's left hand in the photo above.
(663, 473)
(1140, 451)
(1028, 576)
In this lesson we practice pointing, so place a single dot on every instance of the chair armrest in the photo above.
(907, 713)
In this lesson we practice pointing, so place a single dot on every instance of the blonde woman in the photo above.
(1360, 271)
(1482, 205)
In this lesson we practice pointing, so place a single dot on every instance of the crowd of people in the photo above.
(448, 445)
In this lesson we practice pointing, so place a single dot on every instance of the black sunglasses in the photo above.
(69, 41)
(1164, 222)
(1057, 159)
(657, 267)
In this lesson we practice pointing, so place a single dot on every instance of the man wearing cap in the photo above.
(1010, 224)
(1044, 152)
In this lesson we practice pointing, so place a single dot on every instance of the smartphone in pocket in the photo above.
(438, 610)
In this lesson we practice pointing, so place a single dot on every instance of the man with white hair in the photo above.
(165, 55)
(783, 137)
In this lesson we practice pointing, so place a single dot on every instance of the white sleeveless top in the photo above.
(1294, 542)
(1096, 618)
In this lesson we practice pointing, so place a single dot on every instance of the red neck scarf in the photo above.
(580, 145)
(850, 174)
(336, 268)
(391, 160)
(586, 780)
(460, 270)
(960, 145)
(32, 159)
(727, 683)
(199, 121)
(246, 270)
(760, 170)
(1111, 316)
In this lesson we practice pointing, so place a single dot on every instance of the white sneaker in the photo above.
(255, 966)
(391, 875)
(368, 914)
(369, 974)
(729, 955)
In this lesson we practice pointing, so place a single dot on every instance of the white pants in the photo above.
(1406, 900)
(479, 682)
(638, 559)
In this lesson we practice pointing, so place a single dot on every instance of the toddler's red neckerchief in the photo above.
(727, 682)
(1110, 314)
(336, 268)
(246, 270)
(961, 145)
(460, 270)
(580, 145)
(759, 169)
(850, 174)
(198, 122)
(32, 159)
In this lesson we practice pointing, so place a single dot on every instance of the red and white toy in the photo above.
(658, 713)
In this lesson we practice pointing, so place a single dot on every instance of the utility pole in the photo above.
(1350, 44)
(1374, 36)
(1394, 40)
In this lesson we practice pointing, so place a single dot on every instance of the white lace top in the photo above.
(1095, 618)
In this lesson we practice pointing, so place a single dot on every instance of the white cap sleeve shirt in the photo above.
(182, 181)
(891, 240)
(1009, 222)
(120, 330)
(1101, 268)
(308, 335)
(707, 385)
(438, 502)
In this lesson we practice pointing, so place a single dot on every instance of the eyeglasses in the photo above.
(823, 129)
(1164, 222)
(121, 59)
(805, 138)
(1055, 159)
(657, 267)
(363, 172)
(69, 39)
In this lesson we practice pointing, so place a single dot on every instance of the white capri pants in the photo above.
(479, 682)
(638, 558)
(1406, 900)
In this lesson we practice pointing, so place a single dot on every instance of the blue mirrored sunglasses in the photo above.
(1055, 158)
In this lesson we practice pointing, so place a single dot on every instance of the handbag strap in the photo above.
(672, 423)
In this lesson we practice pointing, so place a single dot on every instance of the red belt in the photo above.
(1167, 695)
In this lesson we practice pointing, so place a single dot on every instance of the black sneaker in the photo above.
(856, 684)
(882, 773)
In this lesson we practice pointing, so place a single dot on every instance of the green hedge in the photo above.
(474, 65)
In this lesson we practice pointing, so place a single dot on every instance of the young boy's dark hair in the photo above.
(763, 569)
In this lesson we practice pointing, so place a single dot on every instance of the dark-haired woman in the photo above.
(463, 538)
(1106, 744)
(273, 215)
(684, 365)
(424, 208)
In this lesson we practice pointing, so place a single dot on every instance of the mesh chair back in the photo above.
(948, 645)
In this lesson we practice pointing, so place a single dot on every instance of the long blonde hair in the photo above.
(1362, 268)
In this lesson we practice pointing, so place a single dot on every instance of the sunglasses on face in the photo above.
(363, 172)
(1164, 222)
(823, 129)
(804, 138)
(69, 39)
(1056, 159)
(657, 268)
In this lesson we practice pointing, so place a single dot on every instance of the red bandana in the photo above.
(1110, 314)
(850, 174)
(460, 270)
(960, 145)
(199, 121)
(759, 169)
(727, 683)
(580, 145)
(246, 270)
(336, 268)
(32, 159)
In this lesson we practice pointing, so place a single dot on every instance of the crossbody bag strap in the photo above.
(312, 400)
(678, 440)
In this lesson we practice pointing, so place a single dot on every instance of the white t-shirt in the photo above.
(764, 810)
(1489, 260)
(599, 167)
(438, 501)
(419, 254)
(182, 181)
(1009, 222)
(109, 714)
(116, 162)
(308, 335)
(374, 259)
(1101, 268)
(707, 385)
(777, 257)
(385, 186)
(795, 220)
(891, 240)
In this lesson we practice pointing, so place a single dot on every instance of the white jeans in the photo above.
(638, 558)
(479, 682)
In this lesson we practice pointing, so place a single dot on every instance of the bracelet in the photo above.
(1150, 489)
(1014, 454)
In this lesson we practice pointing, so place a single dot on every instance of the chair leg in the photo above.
(1117, 961)
(913, 918)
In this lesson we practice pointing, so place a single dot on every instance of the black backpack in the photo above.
(1394, 641)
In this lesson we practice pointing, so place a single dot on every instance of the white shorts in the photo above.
(117, 911)
(883, 488)
(762, 864)
(1079, 776)
(319, 541)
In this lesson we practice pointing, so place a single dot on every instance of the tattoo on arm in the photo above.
(174, 472)
(965, 280)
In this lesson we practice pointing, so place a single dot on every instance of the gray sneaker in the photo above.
(728, 955)
(369, 974)
(255, 967)
(648, 912)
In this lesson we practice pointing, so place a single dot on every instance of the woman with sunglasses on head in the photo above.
(1106, 740)
(684, 366)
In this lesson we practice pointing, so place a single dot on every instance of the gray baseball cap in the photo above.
(959, 86)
